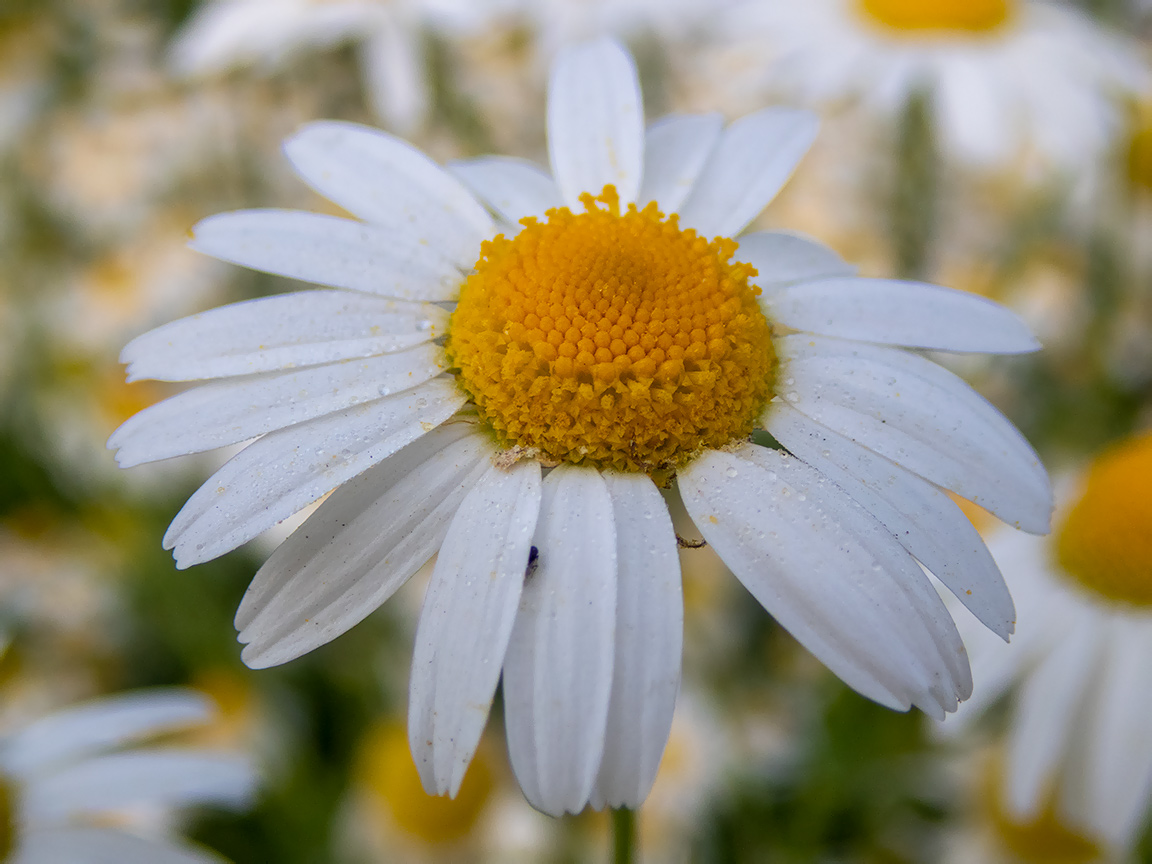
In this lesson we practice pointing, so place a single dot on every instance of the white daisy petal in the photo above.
(100, 725)
(360, 545)
(467, 621)
(781, 258)
(675, 150)
(514, 188)
(392, 62)
(386, 181)
(754, 158)
(895, 312)
(301, 329)
(831, 575)
(81, 845)
(287, 470)
(595, 122)
(228, 412)
(923, 418)
(921, 517)
(1119, 760)
(327, 250)
(558, 672)
(1048, 707)
(163, 777)
(649, 638)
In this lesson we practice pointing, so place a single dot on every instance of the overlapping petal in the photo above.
(921, 517)
(467, 621)
(921, 417)
(781, 258)
(558, 672)
(897, 312)
(750, 163)
(514, 188)
(387, 182)
(361, 544)
(306, 328)
(595, 122)
(649, 638)
(285, 471)
(675, 150)
(831, 575)
(235, 410)
(100, 725)
(327, 250)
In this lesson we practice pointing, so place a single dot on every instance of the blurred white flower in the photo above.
(67, 778)
(1006, 77)
(229, 34)
(1082, 656)
(558, 21)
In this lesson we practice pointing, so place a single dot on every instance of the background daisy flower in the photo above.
(229, 34)
(597, 350)
(1004, 77)
(65, 778)
(1078, 740)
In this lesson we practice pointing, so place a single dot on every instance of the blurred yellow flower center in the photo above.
(7, 820)
(386, 769)
(1041, 839)
(938, 16)
(1105, 543)
(1140, 157)
(612, 339)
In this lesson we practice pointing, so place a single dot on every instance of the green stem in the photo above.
(916, 191)
(624, 836)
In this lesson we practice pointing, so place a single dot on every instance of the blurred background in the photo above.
(1002, 147)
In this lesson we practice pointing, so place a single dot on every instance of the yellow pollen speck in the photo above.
(612, 339)
(937, 17)
(1105, 543)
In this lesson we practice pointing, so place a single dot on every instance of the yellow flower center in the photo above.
(1140, 157)
(612, 339)
(7, 820)
(1105, 543)
(386, 769)
(938, 16)
(1042, 839)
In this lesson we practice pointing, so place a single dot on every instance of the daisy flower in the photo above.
(557, 21)
(1004, 75)
(1081, 663)
(66, 777)
(228, 34)
(510, 385)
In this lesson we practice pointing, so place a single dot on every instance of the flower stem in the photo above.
(915, 194)
(624, 835)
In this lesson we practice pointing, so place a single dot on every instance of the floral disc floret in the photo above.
(937, 16)
(613, 339)
(1105, 543)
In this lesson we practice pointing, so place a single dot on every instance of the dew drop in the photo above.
(732, 472)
